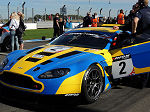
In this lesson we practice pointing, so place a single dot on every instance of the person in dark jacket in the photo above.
(87, 20)
(20, 30)
(130, 18)
(61, 25)
(114, 21)
(142, 18)
(56, 25)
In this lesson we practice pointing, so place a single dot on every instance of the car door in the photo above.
(131, 60)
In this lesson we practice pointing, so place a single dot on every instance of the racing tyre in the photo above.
(6, 46)
(144, 80)
(92, 84)
(148, 81)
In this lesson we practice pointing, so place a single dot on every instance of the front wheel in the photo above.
(92, 84)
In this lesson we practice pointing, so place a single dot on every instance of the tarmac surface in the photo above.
(123, 98)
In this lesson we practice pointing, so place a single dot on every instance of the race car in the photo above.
(80, 64)
(5, 41)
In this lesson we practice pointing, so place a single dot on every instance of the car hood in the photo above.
(51, 56)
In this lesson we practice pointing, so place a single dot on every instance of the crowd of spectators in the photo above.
(92, 21)
(132, 22)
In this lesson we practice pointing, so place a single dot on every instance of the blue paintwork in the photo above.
(77, 63)
(140, 55)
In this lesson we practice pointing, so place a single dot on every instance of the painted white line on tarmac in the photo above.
(2, 53)
(37, 40)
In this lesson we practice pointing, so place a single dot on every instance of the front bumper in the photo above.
(26, 97)
(21, 81)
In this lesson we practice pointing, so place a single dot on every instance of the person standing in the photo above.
(114, 21)
(61, 25)
(130, 17)
(141, 22)
(14, 24)
(56, 25)
(87, 20)
(108, 21)
(95, 20)
(20, 30)
(121, 17)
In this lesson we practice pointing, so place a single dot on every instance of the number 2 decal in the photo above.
(123, 64)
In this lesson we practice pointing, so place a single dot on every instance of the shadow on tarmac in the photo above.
(46, 107)
(128, 91)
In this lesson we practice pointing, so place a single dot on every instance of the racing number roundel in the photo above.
(122, 66)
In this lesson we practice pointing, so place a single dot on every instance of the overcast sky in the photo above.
(53, 6)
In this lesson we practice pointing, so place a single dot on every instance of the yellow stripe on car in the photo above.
(71, 85)
(102, 29)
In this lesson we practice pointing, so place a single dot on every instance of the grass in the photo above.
(38, 34)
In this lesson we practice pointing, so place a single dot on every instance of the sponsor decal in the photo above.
(20, 67)
(123, 57)
(77, 94)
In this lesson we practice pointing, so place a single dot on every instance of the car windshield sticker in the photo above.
(56, 49)
(122, 66)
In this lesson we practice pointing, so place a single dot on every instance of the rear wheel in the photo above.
(92, 84)
(144, 80)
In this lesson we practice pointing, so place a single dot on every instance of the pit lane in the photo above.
(123, 98)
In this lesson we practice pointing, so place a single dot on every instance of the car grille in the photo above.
(20, 81)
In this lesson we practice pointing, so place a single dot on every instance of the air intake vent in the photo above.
(34, 50)
(36, 69)
(46, 62)
(45, 53)
(20, 81)
(20, 57)
(68, 54)
(32, 59)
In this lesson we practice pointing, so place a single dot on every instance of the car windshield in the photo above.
(87, 40)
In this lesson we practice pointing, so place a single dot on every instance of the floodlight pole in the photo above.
(118, 12)
(45, 14)
(32, 15)
(63, 10)
(90, 10)
(8, 10)
(125, 12)
(101, 11)
(23, 7)
(109, 12)
(78, 10)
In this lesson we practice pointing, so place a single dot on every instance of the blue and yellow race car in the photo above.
(80, 63)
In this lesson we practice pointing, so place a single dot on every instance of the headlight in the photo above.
(3, 63)
(56, 73)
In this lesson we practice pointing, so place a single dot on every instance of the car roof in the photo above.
(100, 29)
